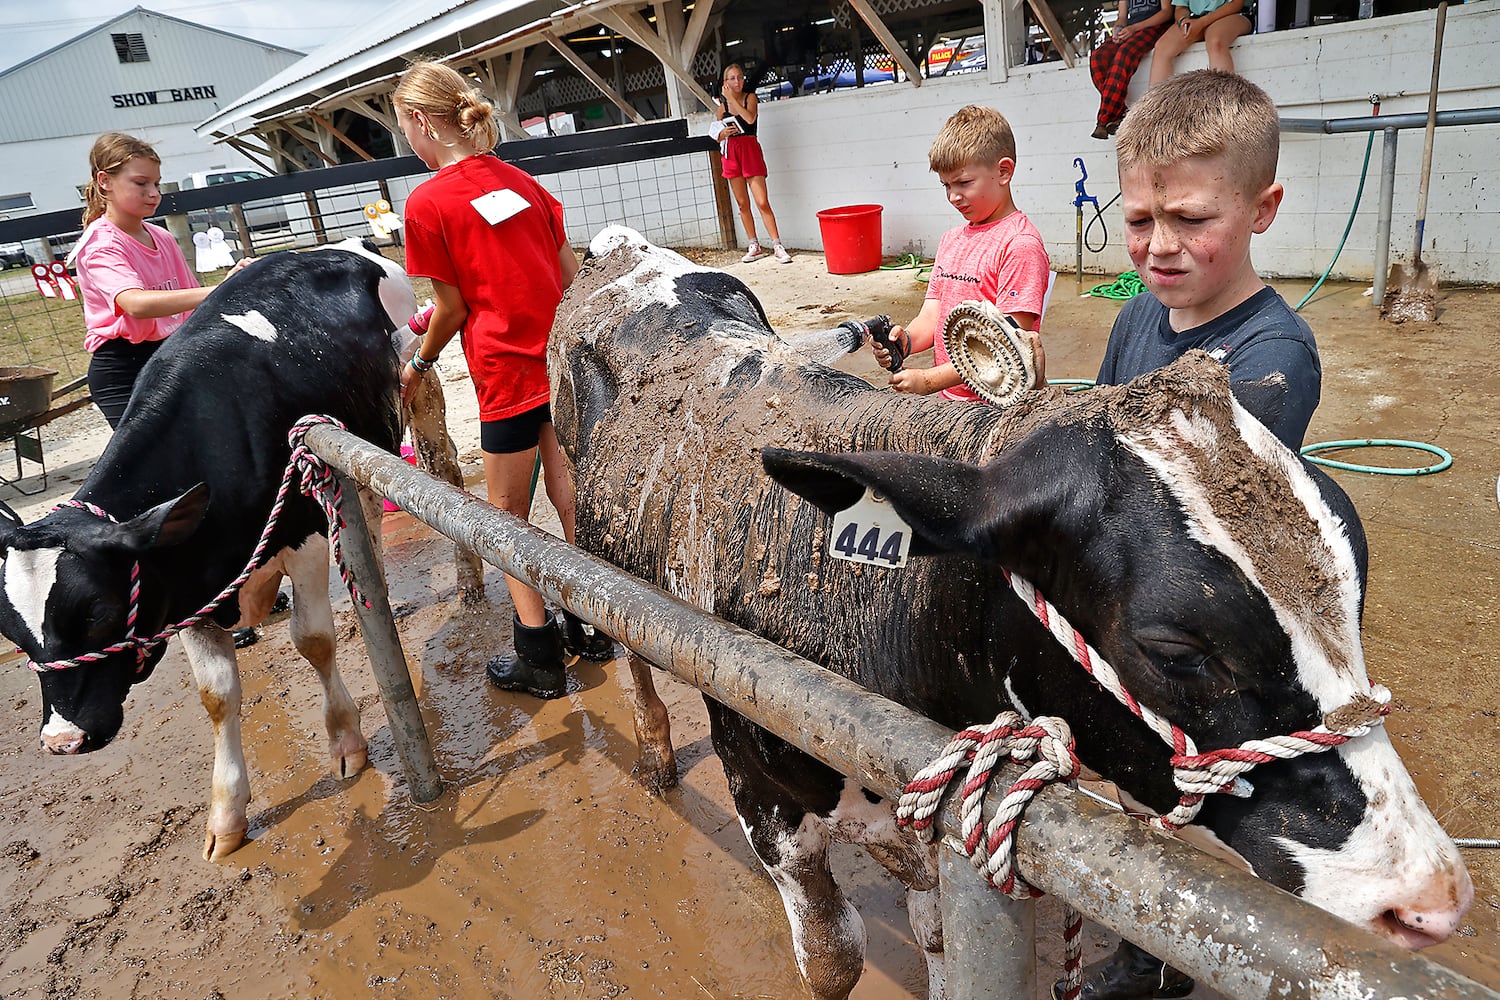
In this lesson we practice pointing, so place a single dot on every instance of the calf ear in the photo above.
(935, 496)
(169, 523)
(1035, 490)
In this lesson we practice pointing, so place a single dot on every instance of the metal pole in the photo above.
(989, 939)
(1223, 926)
(1383, 219)
(387, 661)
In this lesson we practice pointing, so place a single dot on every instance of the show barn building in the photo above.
(148, 74)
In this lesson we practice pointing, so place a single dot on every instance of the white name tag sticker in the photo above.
(870, 532)
(497, 206)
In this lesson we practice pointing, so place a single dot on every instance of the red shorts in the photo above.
(743, 158)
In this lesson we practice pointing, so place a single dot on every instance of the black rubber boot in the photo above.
(1129, 974)
(245, 637)
(536, 667)
(579, 638)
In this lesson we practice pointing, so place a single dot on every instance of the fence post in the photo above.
(1383, 217)
(989, 939)
(387, 661)
(723, 203)
(178, 226)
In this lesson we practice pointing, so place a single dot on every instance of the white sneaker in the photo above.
(779, 252)
(753, 253)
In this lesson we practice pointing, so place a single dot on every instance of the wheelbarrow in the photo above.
(26, 404)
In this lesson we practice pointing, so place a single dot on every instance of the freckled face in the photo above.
(1188, 228)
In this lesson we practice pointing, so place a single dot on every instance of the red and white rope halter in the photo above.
(317, 481)
(1195, 774)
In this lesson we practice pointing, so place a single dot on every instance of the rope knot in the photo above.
(1047, 742)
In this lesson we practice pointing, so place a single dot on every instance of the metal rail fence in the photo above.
(1227, 928)
(1388, 126)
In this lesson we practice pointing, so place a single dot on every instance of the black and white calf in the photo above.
(1217, 572)
(186, 486)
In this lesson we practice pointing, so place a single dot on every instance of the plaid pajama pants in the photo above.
(1112, 65)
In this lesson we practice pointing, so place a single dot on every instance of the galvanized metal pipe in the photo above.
(989, 939)
(1383, 219)
(387, 661)
(1373, 123)
(1225, 927)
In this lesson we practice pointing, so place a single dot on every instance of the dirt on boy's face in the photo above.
(1188, 227)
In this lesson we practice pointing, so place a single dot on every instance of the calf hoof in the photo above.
(472, 596)
(656, 774)
(218, 845)
(349, 757)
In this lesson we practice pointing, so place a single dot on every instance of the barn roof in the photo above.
(106, 25)
(378, 49)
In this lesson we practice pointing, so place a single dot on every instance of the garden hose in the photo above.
(1126, 286)
(1378, 470)
(911, 260)
(1363, 172)
(1104, 227)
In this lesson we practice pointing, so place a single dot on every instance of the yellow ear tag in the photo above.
(870, 532)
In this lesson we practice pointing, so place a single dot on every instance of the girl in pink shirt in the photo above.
(137, 287)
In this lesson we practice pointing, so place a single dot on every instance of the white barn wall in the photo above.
(871, 146)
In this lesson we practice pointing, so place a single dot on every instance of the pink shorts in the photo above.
(743, 158)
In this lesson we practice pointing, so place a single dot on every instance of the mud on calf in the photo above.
(1220, 575)
(175, 506)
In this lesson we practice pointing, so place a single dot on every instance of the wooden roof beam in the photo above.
(587, 71)
(329, 127)
(634, 27)
(877, 26)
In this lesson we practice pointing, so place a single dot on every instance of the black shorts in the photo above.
(512, 434)
(112, 374)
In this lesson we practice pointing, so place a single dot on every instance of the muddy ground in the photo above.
(543, 870)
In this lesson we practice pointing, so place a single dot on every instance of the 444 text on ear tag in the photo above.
(870, 532)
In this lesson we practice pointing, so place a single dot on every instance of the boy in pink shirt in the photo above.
(997, 256)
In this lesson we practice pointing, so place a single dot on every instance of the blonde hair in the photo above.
(1207, 112)
(111, 152)
(973, 135)
(441, 92)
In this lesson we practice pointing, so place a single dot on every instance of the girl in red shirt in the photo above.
(491, 240)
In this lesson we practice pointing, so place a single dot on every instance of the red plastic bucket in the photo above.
(851, 238)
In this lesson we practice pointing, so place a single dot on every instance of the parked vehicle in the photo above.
(265, 213)
(14, 255)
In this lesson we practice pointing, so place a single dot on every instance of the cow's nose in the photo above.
(1429, 922)
(64, 743)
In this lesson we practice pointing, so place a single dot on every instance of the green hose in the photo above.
(911, 260)
(1378, 470)
(1126, 286)
(1363, 171)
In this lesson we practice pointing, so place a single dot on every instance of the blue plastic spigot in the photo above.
(1082, 195)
